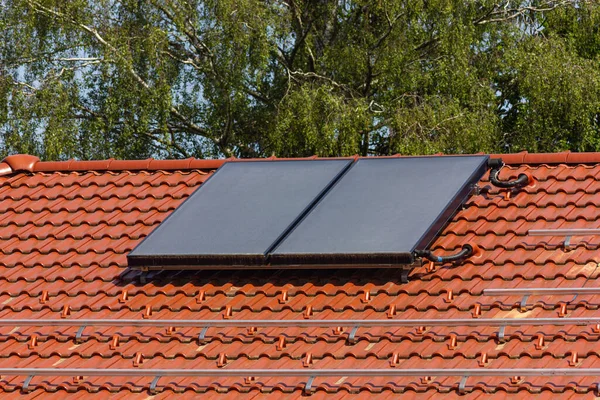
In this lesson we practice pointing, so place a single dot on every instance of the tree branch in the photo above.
(41, 9)
(391, 23)
(189, 124)
(309, 75)
(512, 13)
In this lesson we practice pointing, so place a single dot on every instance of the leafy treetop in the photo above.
(249, 78)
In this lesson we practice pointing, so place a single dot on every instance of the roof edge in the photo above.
(29, 163)
(149, 164)
(565, 157)
(111, 164)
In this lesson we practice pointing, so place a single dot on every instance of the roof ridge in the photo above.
(564, 157)
(29, 163)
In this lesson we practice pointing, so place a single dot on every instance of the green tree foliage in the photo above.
(176, 78)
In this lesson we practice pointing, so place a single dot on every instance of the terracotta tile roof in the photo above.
(66, 228)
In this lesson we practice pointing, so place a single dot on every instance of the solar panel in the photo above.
(381, 211)
(238, 214)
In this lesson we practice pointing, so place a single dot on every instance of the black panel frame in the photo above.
(334, 260)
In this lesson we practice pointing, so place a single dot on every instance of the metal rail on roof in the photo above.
(299, 323)
(540, 291)
(563, 232)
(567, 233)
(305, 372)
(309, 373)
(527, 292)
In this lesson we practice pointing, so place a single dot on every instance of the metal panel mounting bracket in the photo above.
(153, 384)
(352, 336)
(523, 305)
(202, 335)
(462, 384)
(27, 382)
(501, 334)
(308, 387)
(79, 333)
(404, 275)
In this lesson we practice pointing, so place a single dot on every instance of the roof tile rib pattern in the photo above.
(65, 237)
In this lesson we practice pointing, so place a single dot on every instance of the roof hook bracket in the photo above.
(79, 333)
(476, 190)
(501, 334)
(308, 387)
(154, 383)
(202, 335)
(523, 305)
(27, 382)
(462, 384)
(567, 244)
(404, 275)
(352, 336)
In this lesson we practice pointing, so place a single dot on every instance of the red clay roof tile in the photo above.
(67, 227)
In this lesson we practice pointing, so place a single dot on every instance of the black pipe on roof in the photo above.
(466, 252)
(496, 164)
